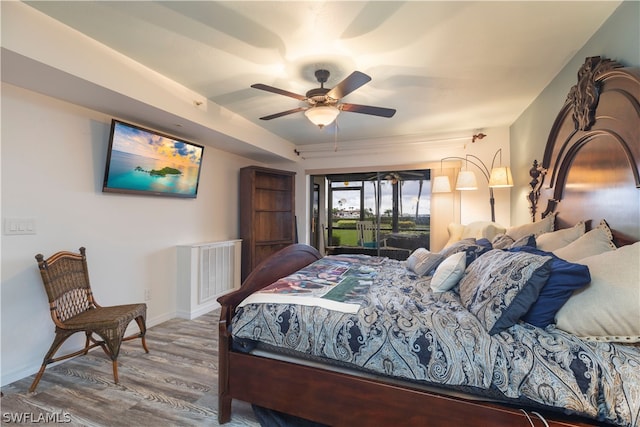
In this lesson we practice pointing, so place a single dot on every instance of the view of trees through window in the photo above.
(397, 204)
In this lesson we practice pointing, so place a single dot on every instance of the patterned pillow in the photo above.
(502, 241)
(529, 241)
(470, 246)
(422, 262)
(483, 241)
(499, 287)
(458, 246)
(473, 252)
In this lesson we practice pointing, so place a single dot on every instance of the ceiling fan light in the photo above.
(441, 184)
(322, 115)
(501, 177)
(466, 181)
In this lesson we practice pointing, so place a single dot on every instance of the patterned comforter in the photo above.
(403, 329)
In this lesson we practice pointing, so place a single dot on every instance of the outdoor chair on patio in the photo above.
(368, 234)
(73, 309)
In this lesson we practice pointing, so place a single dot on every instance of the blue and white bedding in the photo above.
(403, 329)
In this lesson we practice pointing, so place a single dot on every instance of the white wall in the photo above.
(53, 159)
(617, 39)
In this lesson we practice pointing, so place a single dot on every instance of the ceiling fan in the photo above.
(323, 104)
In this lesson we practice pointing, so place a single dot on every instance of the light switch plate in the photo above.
(19, 226)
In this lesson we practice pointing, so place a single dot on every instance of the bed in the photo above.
(472, 358)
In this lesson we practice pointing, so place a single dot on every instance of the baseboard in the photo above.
(199, 311)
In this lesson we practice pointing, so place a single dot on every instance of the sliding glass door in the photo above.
(377, 211)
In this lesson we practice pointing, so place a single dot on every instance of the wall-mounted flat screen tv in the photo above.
(142, 161)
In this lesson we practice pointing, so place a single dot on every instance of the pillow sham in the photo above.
(474, 251)
(502, 241)
(484, 242)
(564, 278)
(422, 262)
(545, 225)
(470, 247)
(609, 308)
(500, 287)
(594, 242)
(458, 246)
(560, 238)
(449, 272)
(528, 241)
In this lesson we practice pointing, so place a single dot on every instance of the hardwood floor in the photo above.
(174, 385)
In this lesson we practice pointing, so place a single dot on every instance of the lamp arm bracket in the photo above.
(493, 162)
(483, 168)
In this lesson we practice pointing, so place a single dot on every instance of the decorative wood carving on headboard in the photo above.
(585, 95)
(536, 173)
(591, 160)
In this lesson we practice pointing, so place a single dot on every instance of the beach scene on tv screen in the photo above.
(145, 161)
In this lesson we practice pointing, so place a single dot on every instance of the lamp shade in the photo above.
(322, 115)
(441, 184)
(466, 181)
(501, 177)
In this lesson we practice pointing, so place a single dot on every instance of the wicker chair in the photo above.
(73, 309)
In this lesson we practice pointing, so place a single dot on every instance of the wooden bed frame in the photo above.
(589, 172)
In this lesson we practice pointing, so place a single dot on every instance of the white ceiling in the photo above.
(445, 66)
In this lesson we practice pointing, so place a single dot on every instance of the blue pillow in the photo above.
(564, 279)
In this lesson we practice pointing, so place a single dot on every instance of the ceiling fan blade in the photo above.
(278, 91)
(348, 85)
(368, 109)
(284, 113)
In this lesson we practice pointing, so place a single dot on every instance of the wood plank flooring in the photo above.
(176, 384)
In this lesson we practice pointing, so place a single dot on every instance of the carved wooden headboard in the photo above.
(590, 169)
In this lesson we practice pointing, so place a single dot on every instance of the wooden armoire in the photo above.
(267, 214)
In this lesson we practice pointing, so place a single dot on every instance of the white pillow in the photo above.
(546, 225)
(594, 242)
(449, 272)
(608, 309)
(557, 239)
